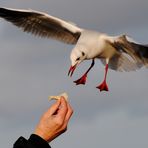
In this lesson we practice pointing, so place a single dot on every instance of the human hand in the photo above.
(54, 121)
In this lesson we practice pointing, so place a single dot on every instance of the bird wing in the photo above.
(129, 56)
(42, 24)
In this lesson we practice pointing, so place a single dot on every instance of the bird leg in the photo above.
(82, 80)
(103, 86)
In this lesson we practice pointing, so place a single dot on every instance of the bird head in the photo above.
(77, 56)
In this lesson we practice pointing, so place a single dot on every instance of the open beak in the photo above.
(71, 70)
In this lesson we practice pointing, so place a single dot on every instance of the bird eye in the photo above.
(83, 53)
(77, 59)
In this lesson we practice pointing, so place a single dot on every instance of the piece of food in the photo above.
(58, 97)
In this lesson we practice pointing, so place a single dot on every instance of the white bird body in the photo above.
(119, 53)
(94, 45)
(92, 42)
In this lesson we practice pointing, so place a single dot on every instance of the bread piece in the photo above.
(58, 97)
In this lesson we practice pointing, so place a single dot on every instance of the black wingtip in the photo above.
(12, 14)
(4, 12)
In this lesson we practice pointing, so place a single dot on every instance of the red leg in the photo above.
(103, 86)
(82, 80)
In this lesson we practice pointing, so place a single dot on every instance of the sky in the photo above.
(33, 68)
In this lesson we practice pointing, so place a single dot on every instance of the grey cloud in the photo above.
(113, 129)
(101, 15)
(33, 68)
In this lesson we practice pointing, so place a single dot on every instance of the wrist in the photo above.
(38, 141)
(43, 135)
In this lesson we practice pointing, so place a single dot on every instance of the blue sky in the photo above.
(33, 68)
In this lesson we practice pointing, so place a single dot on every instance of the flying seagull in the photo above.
(120, 53)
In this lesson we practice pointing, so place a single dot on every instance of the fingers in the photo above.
(62, 109)
(68, 116)
(69, 110)
(69, 113)
(54, 108)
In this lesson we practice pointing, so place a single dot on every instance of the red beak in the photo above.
(71, 70)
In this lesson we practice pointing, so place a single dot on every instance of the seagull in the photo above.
(119, 53)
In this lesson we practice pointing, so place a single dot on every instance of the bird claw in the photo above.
(82, 80)
(103, 86)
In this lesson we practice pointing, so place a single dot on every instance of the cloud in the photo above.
(113, 129)
(33, 68)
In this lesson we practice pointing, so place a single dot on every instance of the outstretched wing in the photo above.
(42, 24)
(130, 55)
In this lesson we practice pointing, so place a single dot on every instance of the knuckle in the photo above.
(64, 129)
